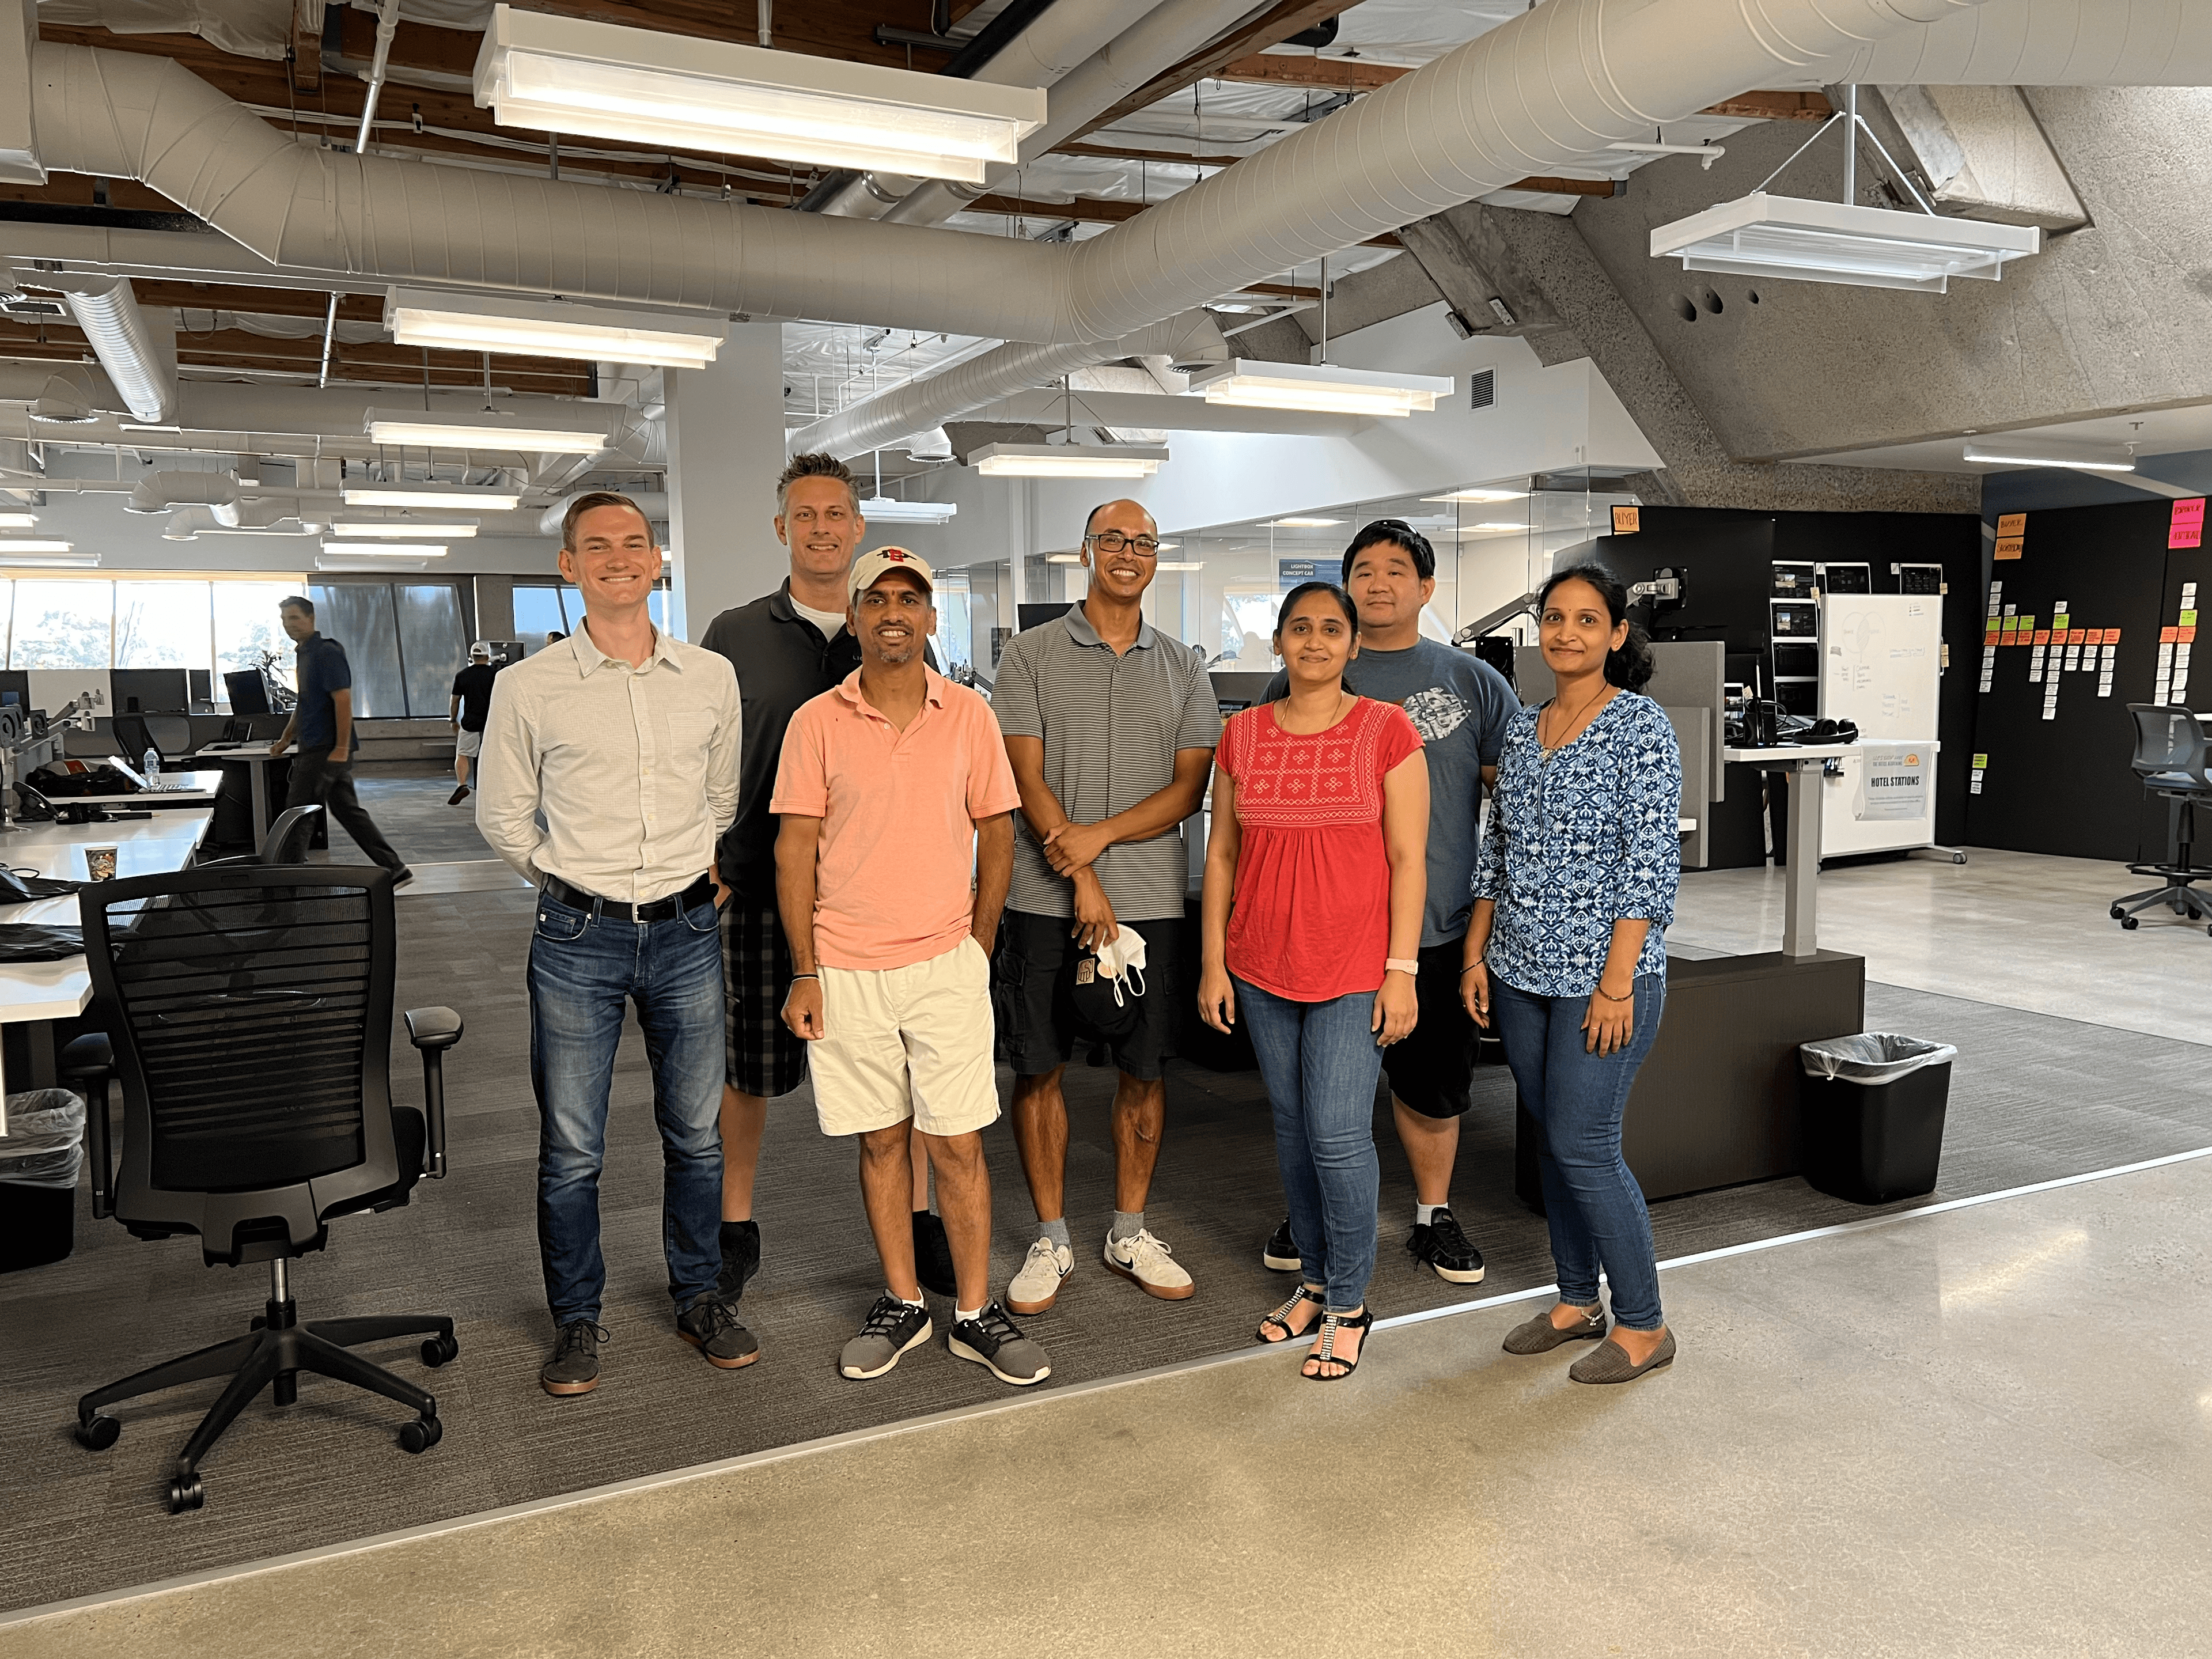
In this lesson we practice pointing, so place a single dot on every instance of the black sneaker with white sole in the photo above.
(1442, 1246)
(1282, 1251)
(893, 1326)
(993, 1340)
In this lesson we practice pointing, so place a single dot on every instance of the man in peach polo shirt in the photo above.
(892, 859)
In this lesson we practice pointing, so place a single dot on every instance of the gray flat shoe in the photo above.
(1608, 1361)
(1539, 1336)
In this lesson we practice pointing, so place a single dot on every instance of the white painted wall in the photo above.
(725, 452)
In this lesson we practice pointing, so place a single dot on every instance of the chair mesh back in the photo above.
(248, 1012)
(2167, 739)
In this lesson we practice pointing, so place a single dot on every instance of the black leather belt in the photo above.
(700, 891)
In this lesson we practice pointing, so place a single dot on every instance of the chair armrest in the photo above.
(433, 1030)
(87, 1064)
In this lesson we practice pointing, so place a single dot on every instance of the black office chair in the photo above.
(249, 1008)
(133, 738)
(2169, 758)
(287, 842)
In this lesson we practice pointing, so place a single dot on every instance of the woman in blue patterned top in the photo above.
(1574, 886)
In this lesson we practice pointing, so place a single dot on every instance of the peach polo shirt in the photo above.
(894, 879)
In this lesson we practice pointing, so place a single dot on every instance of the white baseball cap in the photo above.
(869, 569)
(481, 648)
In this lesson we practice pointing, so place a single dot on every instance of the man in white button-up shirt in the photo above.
(626, 742)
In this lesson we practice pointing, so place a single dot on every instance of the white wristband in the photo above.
(1401, 964)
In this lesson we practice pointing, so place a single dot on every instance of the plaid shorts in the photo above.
(760, 1055)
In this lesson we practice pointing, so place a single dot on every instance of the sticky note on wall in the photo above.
(2187, 527)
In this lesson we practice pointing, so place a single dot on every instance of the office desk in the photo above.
(34, 994)
(255, 758)
(199, 791)
(1801, 891)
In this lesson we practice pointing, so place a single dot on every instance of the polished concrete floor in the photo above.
(1985, 1429)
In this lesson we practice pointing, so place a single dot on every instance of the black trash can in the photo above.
(41, 1155)
(1872, 1107)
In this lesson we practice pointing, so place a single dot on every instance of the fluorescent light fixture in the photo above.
(324, 561)
(51, 561)
(1169, 547)
(491, 498)
(18, 521)
(1484, 494)
(401, 529)
(1323, 388)
(1498, 524)
(1066, 461)
(882, 509)
(1791, 239)
(2028, 452)
(1302, 524)
(28, 545)
(548, 328)
(566, 75)
(1180, 564)
(1707, 154)
(147, 426)
(385, 550)
(1063, 558)
(487, 430)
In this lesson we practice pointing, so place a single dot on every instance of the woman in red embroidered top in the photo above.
(1316, 873)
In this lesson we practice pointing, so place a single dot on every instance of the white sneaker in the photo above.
(1147, 1262)
(1036, 1287)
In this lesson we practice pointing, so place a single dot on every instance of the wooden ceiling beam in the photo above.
(307, 65)
(1273, 27)
(1314, 73)
(1090, 210)
(1116, 152)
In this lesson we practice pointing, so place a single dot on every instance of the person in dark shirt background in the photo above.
(471, 703)
(323, 724)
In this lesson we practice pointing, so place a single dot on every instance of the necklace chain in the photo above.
(1603, 687)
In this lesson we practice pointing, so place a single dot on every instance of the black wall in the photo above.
(1728, 557)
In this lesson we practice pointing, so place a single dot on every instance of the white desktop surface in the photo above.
(201, 788)
(1783, 754)
(143, 847)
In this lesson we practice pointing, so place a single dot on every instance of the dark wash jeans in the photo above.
(1320, 1063)
(583, 971)
(1591, 1202)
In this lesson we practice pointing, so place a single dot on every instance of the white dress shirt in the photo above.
(634, 771)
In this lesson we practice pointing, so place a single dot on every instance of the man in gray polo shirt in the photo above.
(1111, 728)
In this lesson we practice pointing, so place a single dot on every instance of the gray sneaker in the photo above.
(575, 1366)
(893, 1326)
(712, 1326)
(991, 1339)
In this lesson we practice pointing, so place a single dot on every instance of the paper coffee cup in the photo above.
(100, 863)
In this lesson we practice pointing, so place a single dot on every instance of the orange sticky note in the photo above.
(1626, 521)
(2188, 635)
(2043, 636)
(2077, 637)
(2008, 547)
(2168, 635)
(2012, 524)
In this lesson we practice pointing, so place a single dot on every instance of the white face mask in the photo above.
(1122, 953)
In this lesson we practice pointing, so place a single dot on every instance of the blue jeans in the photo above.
(583, 969)
(1592, 1203)
(1320, 1061)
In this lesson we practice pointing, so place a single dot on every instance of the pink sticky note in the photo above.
(2186, 529)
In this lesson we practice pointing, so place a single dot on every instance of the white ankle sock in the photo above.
(1425, 1213)
(915, 1303)
(962, 1315)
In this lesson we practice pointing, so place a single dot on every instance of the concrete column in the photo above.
(495, 597)
(725, 450)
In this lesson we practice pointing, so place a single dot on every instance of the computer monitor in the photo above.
(15, 686)
(151, 691)
(201, 685)
(248, 691)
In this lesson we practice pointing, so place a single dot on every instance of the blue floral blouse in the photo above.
(1579, 840)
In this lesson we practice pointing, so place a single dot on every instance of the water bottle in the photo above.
(149, 766)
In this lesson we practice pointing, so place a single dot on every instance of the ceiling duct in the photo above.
(159, 492)
(141, 360)
(880, 421)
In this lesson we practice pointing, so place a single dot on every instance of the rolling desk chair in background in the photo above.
(250, 1011)
(2171, 759)
(133, 738)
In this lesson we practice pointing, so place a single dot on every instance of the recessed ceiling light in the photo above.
(567, 75)
(1323, 388)
(1485, 493)
(471, 322)
(1302, 524)
(1066, 461)
(487, 430)
(492, 498)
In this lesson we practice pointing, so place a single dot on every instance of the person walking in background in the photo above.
(322, 725)
(892, 859)
(472, 704)
(1315, 880)
(1460, 706)
(1573, 891)
(1110, 727)
(624, 742)
(786, 648)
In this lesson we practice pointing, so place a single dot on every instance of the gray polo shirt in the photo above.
(1110, 725)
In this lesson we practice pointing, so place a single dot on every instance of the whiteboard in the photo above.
(1881, 657)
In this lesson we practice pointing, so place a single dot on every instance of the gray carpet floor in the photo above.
(2033, 1098)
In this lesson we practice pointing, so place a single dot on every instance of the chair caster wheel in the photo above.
(2130, 923)
(185, 1492)
(421, 1435)
(97, 1432)
(2117, 913)
(438, 1350)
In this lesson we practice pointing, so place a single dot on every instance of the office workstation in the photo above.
(439, 1194)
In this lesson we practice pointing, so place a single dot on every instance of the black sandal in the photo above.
(1281, 1318)
(1326, 1354)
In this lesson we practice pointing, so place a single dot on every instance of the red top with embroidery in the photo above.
(1312, 920)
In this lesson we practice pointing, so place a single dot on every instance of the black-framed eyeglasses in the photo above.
(1113, 541)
